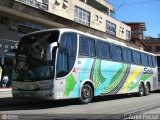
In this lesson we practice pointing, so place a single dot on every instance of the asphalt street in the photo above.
(108, 107)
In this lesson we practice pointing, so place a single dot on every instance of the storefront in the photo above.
(10, 33)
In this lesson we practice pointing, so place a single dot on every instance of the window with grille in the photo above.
(82, 16)
(111, 28)
(128, 35)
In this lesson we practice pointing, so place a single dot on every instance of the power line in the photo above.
(120, 6)
(137, 3)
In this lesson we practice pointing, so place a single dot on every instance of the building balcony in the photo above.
(101, 5)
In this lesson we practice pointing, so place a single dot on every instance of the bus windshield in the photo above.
(31, 57)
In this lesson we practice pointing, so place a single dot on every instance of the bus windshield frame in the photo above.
(32, 63)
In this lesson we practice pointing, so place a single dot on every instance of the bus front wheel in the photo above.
(86, 94)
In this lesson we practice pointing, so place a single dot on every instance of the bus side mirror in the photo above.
(49, 50)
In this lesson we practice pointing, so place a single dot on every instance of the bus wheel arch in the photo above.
(86, 92)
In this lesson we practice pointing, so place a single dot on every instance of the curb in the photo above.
(5, 89)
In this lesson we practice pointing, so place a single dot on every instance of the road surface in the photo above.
(108, 107)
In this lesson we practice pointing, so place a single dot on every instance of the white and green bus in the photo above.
(65, 63)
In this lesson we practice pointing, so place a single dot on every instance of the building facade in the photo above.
(95, 14)
(153, 44)
(79, 14)
(137, 30)
(137, 33)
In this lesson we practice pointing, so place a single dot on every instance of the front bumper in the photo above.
(40, 94)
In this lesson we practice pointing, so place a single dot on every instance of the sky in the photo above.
(147, 11)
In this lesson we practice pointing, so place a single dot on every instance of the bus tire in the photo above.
(141, 91)
(147, 89)
(86, 94)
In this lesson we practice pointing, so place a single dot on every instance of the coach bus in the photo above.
(65, 63)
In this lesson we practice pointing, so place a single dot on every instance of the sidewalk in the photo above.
(5, 89)
(5, 92)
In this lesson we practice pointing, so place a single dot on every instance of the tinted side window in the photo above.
(136, 57)
(67, 54)
(69, 41)
(150, 60)
(154, 61)
(62, 64)
(102, 50)
(87, 46)
(144, 59)
(127, 56)
(116, 53)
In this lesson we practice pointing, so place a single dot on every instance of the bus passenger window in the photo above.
(127, 56)
(136, 57)
(102, 50)
(116, 53)
(144, 59)
(87, 46)
(150, 61)
(67, 54)
(154, 61)
(62, 65)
